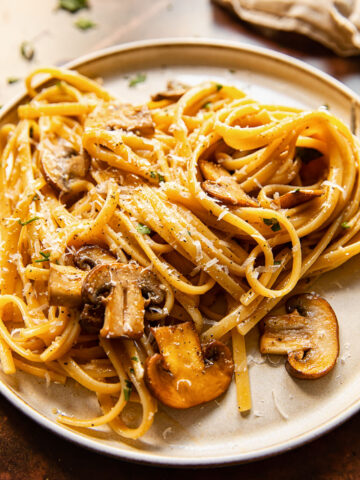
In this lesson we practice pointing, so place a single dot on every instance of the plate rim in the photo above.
(138, 456)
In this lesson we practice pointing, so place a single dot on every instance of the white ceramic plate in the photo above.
(286, 412)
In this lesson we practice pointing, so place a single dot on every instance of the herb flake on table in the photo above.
(139, 78)
(73, 6)
(27, 50)
(12, 80)
(84, 24)
(345, 225)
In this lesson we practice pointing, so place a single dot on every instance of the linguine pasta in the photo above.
(146, 196)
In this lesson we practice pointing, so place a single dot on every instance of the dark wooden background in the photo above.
(28, 452)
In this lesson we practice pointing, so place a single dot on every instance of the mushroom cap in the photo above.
(89, 256)
(62, 165)
(308, 334)
(222, 185)
(184, 374)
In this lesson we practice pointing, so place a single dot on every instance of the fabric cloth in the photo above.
(335, 24)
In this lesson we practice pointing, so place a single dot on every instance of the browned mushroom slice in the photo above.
(183, 374)
(308, 335)
(114, 286)
(175, 90)
(92, 318)
(221, 185)
(64, 286)
(298, 196)
(122, 116)
(89, 256)
(121, 288)
(62, 165)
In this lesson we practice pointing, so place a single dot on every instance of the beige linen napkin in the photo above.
(335, 24)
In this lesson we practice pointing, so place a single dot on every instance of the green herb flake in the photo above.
(35, 197)
(219, 86)
(27, 50)
(73, 6)
(28, 221)
(135, 359)
(143, 229)
(297, 190)
(139, 78)
(132, 371)
(157, 175)
(277, 262)
(84, 24)
(11, 80)
(273, 223)
(127, 390)
(206, 105)
(345, 225)
(46, 257)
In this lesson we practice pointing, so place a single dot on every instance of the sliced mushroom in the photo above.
(221, 185)
(121, 288)
(62, 165)
(298, 196)
(175, 90)
(184, 374)
(64, 286)
(89, 256)
(92, 318)
(122, 116)
(308, 334)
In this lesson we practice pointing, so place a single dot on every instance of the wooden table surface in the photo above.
(28, 452)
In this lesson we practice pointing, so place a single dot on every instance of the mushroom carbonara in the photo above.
(141, 243)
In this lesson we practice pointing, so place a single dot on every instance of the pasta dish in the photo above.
(141, 243)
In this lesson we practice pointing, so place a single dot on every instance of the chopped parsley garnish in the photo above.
(306, 155)
(143, 229)
(35, 197)
(28, 221)
(27, 50)
(139, 78)
(73, 5)
(325, 106)
(46, 257)
(277, 262)
(135, 359)
(296, 191)
(206, 105)
(219, 87)
(273, 223)
(345, 225)
(84, 24)
(157, 175)
(11, 80)
(132, 370)
(127, 390)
